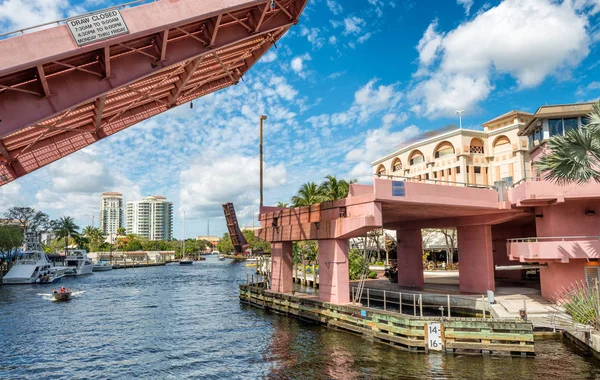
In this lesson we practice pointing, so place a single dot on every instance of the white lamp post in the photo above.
(459, 113)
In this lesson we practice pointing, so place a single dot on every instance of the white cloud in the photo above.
(333, 40)
(335, 7)
(269, 57)
(11, 195)
(297, 64)
(429, 44)
(313, 35)
(378, 6)
(467, 4)
(530, 40)
(208, 183)
(76, 183)
(364, 38)
(353, 25)
(18, 14)
(377, 143)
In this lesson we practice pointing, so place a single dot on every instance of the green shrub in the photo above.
(379, 264)
(372, 274)
(582, 303)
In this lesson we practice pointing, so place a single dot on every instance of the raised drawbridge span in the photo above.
(57, 97)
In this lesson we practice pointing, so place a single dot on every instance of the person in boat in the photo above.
(62, 289)
(54, 291)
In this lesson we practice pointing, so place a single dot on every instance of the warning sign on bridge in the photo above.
(98, 26)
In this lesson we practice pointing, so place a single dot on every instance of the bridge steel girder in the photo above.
(57, 98)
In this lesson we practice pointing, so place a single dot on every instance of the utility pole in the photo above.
(262, 118)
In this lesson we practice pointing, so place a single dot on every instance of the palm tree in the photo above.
(574, 157)
(308, 194)
(334, 189)
(282, 204)
(121, 231)
(64, 228)
(95, 236)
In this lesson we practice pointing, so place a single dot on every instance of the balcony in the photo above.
(530, 192)
(562, 248)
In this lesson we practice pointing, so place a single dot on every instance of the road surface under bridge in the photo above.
(57, 97)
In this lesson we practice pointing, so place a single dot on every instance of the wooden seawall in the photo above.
(473, 335)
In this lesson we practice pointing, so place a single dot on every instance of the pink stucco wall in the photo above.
(476, 273)
(556, 249)
(499, 235)
(558, 277)
(334, 286)
(410, 258)
(282, 279)
(569, 219)
(416, 192)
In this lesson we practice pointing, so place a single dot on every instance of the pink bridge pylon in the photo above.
(57, 98)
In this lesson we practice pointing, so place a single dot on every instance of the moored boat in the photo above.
(102, 266)
(78, 263)
(29, 267)
(186, 261)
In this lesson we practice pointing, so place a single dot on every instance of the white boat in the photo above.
(30, 266)
(78, 263)
(54, 275)
(221, 257)
(102, 266)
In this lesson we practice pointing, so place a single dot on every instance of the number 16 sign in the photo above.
(433, 334)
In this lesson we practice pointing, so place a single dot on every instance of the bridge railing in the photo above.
(63, 20)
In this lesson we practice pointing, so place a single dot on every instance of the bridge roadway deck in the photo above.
(57, 98)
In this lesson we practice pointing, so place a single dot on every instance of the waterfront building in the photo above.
(214, 241)
(516, 224)
(111, 213)
(465, 156)
(151, 217)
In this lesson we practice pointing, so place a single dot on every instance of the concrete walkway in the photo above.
(510, 297)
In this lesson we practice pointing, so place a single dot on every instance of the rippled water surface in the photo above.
(178, 322)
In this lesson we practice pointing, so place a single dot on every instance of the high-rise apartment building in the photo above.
(111, 213)
(152, 218)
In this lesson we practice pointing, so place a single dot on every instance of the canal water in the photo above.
(185, 322)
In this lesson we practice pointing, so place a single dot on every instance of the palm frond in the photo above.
(572, 158)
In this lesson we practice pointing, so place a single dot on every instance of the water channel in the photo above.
(177, 322)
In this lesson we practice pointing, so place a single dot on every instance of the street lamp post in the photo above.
(262, 118)
(459, 113)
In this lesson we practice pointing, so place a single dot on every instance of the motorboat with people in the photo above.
(63, 294)
(221, 257)
(102, 266)
(28, 268)
(78, 263)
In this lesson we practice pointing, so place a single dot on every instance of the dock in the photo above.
(407, 332)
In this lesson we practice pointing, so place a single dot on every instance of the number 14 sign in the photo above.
(434, 336)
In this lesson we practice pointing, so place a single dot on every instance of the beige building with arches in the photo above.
(465, 156)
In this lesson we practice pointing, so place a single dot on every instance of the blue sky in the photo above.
(353, 81)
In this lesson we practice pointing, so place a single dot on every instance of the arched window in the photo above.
(444, 149)
(502, 145)
(396, 165)
(476, 146)
(416, 157)
(381, 170)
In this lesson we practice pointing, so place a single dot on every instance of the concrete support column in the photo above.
(281, 267)
(410, 258)
(475, 254)
(334, 279)
(454, 175)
